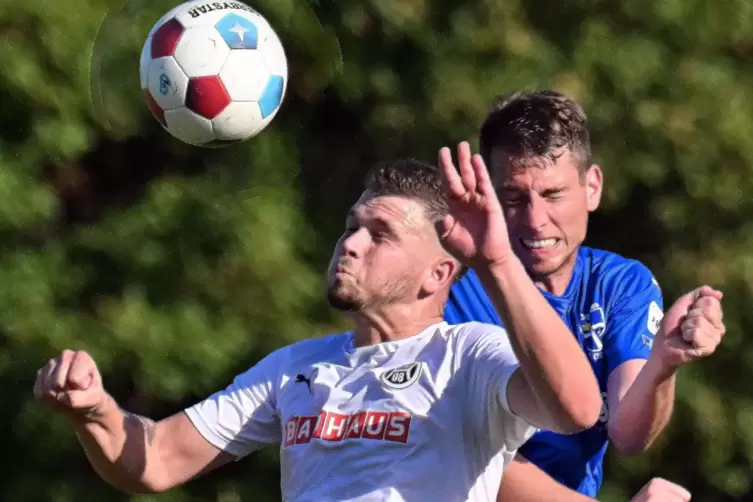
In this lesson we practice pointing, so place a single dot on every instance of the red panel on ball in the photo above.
(165, 39)
(155, 108)
(207, 96)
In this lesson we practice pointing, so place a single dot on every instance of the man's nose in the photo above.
(537, 213)
(354, 243)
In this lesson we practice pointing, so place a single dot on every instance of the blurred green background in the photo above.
(179, 267)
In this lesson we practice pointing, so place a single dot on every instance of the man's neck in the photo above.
(557, 282)
(372, 328)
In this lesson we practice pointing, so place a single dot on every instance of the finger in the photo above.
(705, 291)
(707, 338)
(81, 372)
(698, 331)
(483, 180)
(75, 398)
(669, 497)
(48, 374)
(38, 383)
(60, 378)
(450, 177)
(708, 304)
(444, 226)
(680, 492)
(688, 328)
(466, 169)
(703, 344)
(667, 491)
(712, 311)
(692, 316)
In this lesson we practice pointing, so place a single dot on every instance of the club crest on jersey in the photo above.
(401, 377)
(592, 327)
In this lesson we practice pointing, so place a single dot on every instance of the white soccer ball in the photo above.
(213, 73)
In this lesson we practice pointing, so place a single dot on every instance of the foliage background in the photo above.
(178, 267)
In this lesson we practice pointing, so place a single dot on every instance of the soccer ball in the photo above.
(213, 73)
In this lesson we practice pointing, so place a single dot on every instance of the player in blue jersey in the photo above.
(538, 152)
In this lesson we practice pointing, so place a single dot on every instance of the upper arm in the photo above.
(522, 402)
(227, 425)
(633, 318)
(630, 327)
(620, 380)
(523, 481)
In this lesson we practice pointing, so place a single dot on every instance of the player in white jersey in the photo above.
(403, 408)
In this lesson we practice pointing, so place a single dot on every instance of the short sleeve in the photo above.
(491, 363)
(242, 417)
(634, 318)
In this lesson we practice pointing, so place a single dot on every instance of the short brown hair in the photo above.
(414, 179)
(410, 178)
(536, 124)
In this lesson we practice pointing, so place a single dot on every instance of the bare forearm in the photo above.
(644, 411)
(552, 361)
(117, 446)
(525, 482)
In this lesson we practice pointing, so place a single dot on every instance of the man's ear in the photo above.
(443, 272)
(594, 186)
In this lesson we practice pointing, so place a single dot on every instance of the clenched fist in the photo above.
(661, 490)
(71, 384)
(692, 329)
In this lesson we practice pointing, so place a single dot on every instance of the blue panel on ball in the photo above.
(237, 31)
(271, 96)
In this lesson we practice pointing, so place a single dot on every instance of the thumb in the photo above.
(685, 301)
(444, 226)
(682, 304)
(81, 381)
(81, 399)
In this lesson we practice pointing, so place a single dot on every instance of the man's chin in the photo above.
(541, 268)
(343, 303)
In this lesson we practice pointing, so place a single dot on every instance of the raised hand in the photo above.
(661, 490)
(691, 329)
(474, 231)
(70, 384)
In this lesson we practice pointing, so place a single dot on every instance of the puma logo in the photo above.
(299, 378)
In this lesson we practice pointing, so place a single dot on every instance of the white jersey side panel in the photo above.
(424, 418)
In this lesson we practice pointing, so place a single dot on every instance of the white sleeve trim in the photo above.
(503, 389)
(215, 440)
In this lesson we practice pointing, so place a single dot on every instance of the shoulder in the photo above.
(278, 361)
(473, 330)
(316, 347)
(618, 274)
(474, 337)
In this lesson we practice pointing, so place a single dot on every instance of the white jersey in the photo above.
(419, 419)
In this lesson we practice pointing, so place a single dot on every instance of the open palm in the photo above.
(474, 230)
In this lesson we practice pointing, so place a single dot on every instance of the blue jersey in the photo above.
(613, 305)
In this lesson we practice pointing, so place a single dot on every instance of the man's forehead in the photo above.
(508, 170)
(391, 209)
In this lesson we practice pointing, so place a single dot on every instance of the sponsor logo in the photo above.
(401, 377)
(393, 426)
(655, 315)
(300, 378)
